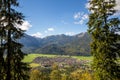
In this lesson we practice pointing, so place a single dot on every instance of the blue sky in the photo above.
(53, 17)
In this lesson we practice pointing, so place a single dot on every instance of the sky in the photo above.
(52, 17)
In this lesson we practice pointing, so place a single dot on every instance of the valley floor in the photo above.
(59, 67)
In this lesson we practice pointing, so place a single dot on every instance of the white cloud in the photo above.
(117, 7)
(50, 29)
(70, 33)
(85, 16)
(38, 35)
(77, 15)
(25, 26)
(118, 4)
(79, 22)
(80, 17)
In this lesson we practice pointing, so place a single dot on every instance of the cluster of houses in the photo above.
(61, 61)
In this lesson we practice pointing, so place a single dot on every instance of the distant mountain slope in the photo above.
(58, 44)
(80, 45)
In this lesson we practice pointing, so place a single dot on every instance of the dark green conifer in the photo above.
(10, 33)
(105, 47)
(2, 41)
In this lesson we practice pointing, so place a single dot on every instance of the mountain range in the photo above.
(58, 44)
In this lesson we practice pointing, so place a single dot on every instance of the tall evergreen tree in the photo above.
(2, 49)
(105, 47)
(1, 54)
(14, 68)
(2, 46)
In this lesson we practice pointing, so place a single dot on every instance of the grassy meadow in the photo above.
(30, 57)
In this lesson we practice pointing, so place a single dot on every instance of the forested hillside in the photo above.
(58, 44)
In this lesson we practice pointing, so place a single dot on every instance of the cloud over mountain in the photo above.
(38, 35)
(25, 26)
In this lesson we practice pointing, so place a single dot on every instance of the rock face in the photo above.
(58, 44)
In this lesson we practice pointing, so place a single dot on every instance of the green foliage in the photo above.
(81, 74)
(64, 76)
(40, 74)
(10, 49)
(35, 75)
(55, 75)
(105, 46)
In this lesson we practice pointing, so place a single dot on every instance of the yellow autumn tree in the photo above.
(81, 74)
(35, 75)
(55, 73)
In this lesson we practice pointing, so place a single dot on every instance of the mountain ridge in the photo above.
(58, 44)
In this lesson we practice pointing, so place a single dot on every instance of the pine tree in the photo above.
(1, 54)
(105, 47)
(2, 45)
(2, 49)
(14, 68)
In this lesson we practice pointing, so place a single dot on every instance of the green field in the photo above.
(31, 57)
(83, 57)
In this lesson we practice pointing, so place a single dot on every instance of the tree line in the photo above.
(56, 73)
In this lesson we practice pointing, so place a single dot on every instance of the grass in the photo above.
(83, 57)
(29, 58)
(34, 65)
